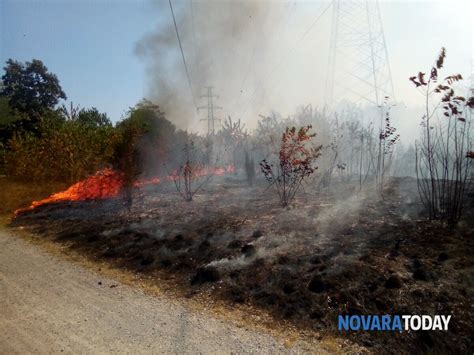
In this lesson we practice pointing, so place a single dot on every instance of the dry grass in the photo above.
(352, 244)
(19, 194)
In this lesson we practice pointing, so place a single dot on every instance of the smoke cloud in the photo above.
(273, 55)
(242, 49)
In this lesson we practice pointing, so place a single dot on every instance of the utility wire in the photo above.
(194, 32)
(285, 60)
(285, 63)
(310, 28)
(182, 55)
(250, 64)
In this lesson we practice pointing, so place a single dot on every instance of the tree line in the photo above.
(43, 140)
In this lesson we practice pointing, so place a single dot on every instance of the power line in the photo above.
(315, 21)
(285, 60)
(244, 80)
(282, 30)
(182, 55)
(194, 32)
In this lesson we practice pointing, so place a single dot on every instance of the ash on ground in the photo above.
(350, 252)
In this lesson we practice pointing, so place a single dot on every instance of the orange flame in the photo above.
(107, 183)
(229, 169)
(152, 181)
(201, 171)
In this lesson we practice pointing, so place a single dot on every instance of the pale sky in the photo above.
(273, 58)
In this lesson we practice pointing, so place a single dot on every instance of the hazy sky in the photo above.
(100, 53)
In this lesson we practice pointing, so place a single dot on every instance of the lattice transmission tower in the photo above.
(210, 107)
(358, 67)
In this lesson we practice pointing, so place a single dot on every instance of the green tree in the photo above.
(159, 139)
(9, 118)
(30, 89)
(127, 157)
(93, 118)
(90, 117)
(67, 151)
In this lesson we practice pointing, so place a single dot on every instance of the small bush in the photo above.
(191, 175)
(295, 163)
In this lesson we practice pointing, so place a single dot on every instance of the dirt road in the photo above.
(48, 304)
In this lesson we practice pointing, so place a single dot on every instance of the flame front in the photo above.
(107, 183)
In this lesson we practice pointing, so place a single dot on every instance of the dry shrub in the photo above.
(295, 163)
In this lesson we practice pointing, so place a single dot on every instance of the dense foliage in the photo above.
(31, 90)
(41, 141)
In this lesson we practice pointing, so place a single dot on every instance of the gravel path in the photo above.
(48, 304)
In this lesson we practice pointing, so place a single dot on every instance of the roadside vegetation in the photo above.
(45, 141)
(306, 217)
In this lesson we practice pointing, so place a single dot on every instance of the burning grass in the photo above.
(108, 183)
(326, 255)
(105, 183)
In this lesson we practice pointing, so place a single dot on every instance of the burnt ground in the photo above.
(328, 254)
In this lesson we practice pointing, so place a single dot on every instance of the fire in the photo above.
(107, 183)
(200, 171)
(152, 181)
(229, 169)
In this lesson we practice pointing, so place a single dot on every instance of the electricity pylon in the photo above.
(211, 125)
(358, 67)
